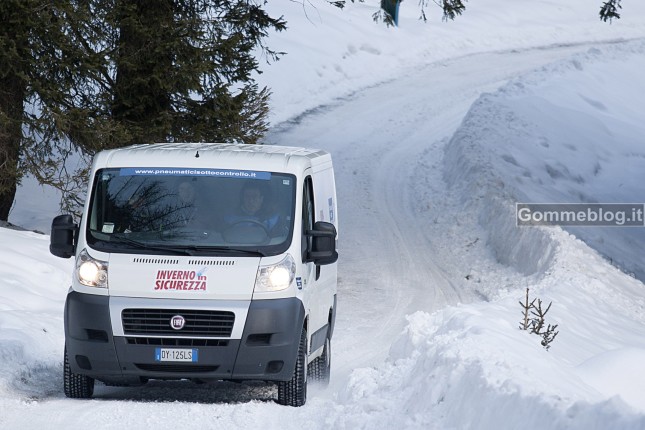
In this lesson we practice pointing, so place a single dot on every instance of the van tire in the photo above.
(320, 368)
(294, 391)
(76, 386)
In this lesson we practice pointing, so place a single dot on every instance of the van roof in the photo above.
(213, 155)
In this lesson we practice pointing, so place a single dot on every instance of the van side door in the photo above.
(317, 293)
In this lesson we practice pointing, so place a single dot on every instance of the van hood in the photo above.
(190, 278)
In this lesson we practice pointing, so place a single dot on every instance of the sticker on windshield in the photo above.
(171, 171)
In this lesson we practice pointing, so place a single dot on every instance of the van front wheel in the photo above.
(76, 386)
(294, 391)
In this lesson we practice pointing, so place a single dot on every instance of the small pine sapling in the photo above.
(536, 320)
(547, 334)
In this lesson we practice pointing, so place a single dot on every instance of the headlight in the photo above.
(276, 277)
(91, 272)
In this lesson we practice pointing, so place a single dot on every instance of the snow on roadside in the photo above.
(471, 364)
(34, 284)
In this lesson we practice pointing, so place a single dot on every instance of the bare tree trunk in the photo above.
(12, 94)
(11, 110)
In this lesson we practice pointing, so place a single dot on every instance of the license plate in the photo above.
(175, 354)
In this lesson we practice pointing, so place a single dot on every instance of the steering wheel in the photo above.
(250, 221)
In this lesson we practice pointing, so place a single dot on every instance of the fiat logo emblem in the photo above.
(177, 322)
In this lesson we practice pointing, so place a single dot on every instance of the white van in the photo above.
(202, 261)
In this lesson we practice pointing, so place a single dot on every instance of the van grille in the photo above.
(157, 322)
(171, 341)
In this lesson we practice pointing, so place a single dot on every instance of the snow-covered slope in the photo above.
(332, 53)
(569, 132)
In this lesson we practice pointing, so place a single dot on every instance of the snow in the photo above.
(436, 130)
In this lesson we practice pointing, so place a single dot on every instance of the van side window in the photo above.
(307, 215)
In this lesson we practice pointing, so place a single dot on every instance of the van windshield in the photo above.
(191, 211)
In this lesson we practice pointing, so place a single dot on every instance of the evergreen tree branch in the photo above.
(609, 10)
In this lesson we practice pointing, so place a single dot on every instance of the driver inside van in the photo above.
(254, 207)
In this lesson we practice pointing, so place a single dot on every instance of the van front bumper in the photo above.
(267, 349)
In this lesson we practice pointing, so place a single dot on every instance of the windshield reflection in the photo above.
(155, 214)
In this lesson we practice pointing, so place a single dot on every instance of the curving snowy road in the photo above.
(387, 143)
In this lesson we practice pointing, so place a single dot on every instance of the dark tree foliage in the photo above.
(451, 8)
(609, 10)
(341, 3)
(39, 66)
(174, 70)
(175, 66)
(79, 76)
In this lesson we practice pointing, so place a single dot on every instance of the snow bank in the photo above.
(34, 284)
(470, 366)
(474, 369)
(567, 118)
(569, 132)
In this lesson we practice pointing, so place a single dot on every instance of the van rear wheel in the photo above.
(76, 386)
(294, 391)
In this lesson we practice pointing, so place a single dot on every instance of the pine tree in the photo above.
(39, 64)
(178, 71)
(182, 71)
(13, 88)
(87, 75)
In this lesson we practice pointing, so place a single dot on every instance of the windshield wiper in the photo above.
(185, 250)
(227, 250)
(142, 245)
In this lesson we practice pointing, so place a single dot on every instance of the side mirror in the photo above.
(323, 248)
(62, 236)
